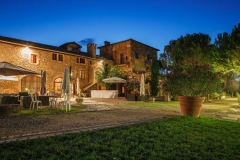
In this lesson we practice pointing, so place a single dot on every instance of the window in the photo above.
(82, 60)
(90, 62)
(136, 55)
(148, 57)
(82, 74)
(75, 49)
(33, 58)
(60, 57)
(122, 58)
(54, 56)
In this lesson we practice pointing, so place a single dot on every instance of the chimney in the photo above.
(106, 43)
(91, 49)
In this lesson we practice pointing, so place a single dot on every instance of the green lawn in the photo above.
(180, 137)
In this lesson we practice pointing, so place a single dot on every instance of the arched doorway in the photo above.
(57, 86)
(31, 83)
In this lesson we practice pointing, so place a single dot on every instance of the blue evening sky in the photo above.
(153, 22)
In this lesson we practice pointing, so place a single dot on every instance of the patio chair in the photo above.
(34, 101)
(53, 97)
(64, 102)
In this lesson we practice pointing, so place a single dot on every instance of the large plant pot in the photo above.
(190, 106)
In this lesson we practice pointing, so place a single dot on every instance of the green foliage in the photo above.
(154, 77)
(180, 137)
(191, 46)
(103, 73)
(133, 85)
(192, 78)
(227, 52)
(107, 71)
(74, 108)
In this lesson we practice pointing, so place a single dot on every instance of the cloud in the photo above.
(85, 41)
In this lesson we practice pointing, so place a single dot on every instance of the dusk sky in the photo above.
(152, 22)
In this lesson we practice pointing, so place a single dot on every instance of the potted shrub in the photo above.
(133, 86)
(192, 80)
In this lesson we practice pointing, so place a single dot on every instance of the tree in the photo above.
(191, 46)
(227, 51)
(107, 71)
(154, 77)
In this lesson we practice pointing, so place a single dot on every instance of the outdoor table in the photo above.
(104, 93)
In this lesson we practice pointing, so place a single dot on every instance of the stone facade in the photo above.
(132, 56)
(16, 54)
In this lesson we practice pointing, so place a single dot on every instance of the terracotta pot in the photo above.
(190, 106)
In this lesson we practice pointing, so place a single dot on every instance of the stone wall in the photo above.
(7, 86)
(133, 66)
(15, 54)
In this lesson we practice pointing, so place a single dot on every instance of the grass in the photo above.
(153, 104)
(180, 137)
(49, 110)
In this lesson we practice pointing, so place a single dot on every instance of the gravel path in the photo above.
(12, 127)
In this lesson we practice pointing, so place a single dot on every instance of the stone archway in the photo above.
(57, 85)
(30, 83)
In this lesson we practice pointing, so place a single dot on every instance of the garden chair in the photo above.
(53, 97)
(65, 102)
(34, 101)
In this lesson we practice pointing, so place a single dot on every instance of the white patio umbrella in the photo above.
(114, 80)
(142, 85)
(9, 78)
(65, 91)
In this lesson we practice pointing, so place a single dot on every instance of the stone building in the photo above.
(132, 56)
(40, 57)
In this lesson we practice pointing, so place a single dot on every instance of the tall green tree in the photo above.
(227, 51)
(107, 71)
(154, 77)
(197, 46)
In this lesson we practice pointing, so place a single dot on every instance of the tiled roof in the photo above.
(40, 46)
(129, 40)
